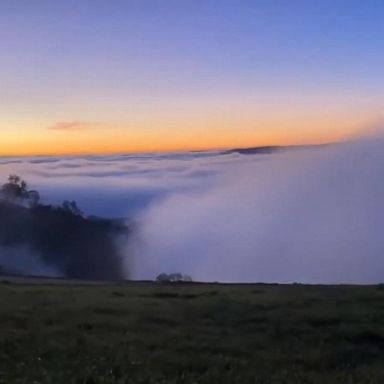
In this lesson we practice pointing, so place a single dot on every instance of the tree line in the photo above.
(173, 278)
(16, 191)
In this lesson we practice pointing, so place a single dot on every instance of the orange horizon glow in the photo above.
(117, 144)
(172, 135)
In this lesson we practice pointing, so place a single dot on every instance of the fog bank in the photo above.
(311, 216)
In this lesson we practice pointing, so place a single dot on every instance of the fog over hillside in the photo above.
(310, 215)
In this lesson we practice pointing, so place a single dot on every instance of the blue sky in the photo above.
(174, 73)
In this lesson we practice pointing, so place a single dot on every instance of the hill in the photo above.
(76, 246)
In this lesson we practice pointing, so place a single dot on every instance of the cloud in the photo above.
(312, 216)
(116, 186)
(71, 126)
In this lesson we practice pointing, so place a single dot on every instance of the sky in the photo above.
(101, 76)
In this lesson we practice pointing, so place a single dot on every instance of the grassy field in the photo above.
(148, 333)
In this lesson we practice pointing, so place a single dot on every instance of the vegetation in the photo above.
(61, 237)
(191, 333)
(173, 278)
(16, 191)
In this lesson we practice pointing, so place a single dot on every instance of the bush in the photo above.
(173, 278)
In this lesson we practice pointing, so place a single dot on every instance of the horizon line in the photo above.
(122, 153)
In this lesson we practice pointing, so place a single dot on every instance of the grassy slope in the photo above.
(144, 333)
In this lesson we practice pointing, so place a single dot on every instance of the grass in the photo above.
(149, 333)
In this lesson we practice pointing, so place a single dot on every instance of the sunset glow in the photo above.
(144, 76)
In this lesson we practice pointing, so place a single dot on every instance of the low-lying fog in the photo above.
(311, 215)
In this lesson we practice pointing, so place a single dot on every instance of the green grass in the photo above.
(148, 333)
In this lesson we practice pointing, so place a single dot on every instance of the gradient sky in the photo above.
(85, 76)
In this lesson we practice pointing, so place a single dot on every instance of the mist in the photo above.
(310, 216)
(22, 260)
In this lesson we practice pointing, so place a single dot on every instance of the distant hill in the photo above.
(263, 150)
(254, 150)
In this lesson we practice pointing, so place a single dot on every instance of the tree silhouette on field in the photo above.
(173, 278)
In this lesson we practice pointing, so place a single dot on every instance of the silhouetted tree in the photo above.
(71, 207)
(162, 278)
(33, 198)
(173, 278)
(16, 190)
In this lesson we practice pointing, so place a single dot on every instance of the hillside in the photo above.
(76, 246)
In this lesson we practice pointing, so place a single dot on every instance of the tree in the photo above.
(33, 198)
(162, 278)
(16, 190)
(71, 207)
(173, 278)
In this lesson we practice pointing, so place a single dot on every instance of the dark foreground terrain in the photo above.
(153, 333)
